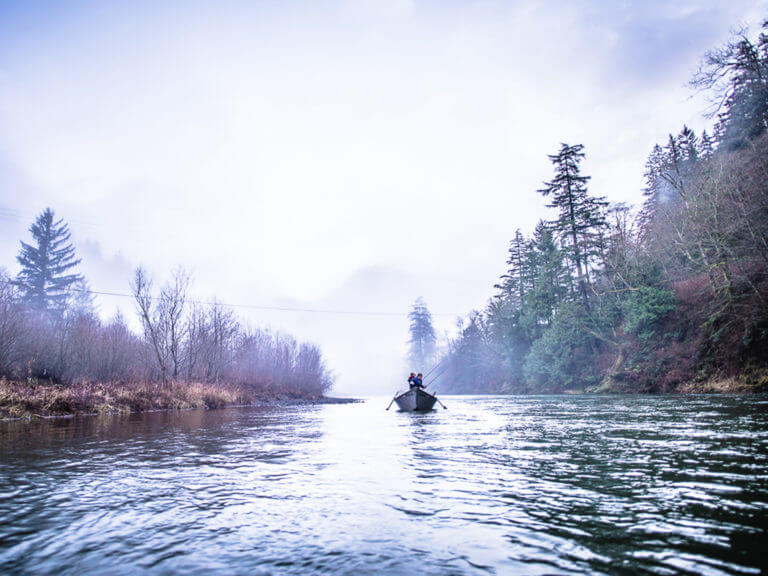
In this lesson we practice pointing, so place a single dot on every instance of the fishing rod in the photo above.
(434, 379)
(435, 367)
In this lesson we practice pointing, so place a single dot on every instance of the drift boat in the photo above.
(416, 400)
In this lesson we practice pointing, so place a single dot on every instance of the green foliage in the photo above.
(645, 308)
(45, 278)
(587, 299)
(736, 76)
(561, 359)
(580, 216)
(551, 278)
(518, 279)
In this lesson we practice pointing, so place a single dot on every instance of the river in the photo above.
(492, 485)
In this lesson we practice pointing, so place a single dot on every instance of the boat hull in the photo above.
(416, 400)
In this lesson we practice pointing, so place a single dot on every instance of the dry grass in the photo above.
(25, 399)
(741, 384)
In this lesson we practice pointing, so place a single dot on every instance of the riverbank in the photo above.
(749, 380)
(42, 399)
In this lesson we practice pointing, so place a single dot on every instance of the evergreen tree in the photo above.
(423, 340)
(707, 146)
(669, 170)
(672, 168)
(516, 281)
(688, 144)
(580, 216)
(654, 168)
(736, 76)
(46, 279)
(551, 282)
(671, 294)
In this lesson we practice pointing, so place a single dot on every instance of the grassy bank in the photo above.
(745, 383)
(41, 399)
(682, 379)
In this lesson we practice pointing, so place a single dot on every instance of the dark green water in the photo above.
(505, 485)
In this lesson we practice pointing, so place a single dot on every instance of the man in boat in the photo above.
(412, 380)
(418, 382)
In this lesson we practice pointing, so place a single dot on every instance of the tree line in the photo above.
(604, 296)
(49, 330)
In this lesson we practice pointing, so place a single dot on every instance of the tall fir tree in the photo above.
(688, 144)
(551, 282)
(707, 146)
(580, 216)
(423, 340)
(515, 282)
(654, 167)
(46, 277)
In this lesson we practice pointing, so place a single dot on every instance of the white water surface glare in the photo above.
(493, 485)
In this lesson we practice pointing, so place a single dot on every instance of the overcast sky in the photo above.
(331, 155)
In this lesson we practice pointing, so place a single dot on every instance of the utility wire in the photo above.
(256, 306)
(14, 215)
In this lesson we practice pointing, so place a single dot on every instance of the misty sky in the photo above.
(335, 155)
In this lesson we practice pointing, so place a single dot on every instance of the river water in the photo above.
(504, 485)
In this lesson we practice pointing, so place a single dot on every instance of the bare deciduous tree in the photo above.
(145, 304)
(11, 321)
(163, 319)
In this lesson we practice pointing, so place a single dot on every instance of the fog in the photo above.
(334, 162)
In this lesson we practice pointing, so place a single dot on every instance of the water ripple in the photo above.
(496, 485)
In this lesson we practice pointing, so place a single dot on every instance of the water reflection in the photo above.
(525, 485)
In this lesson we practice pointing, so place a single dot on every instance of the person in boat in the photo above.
(412, 380)
(419, 381)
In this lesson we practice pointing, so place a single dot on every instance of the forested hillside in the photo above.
(669, 296)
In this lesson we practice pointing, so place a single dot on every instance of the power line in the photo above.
(15, 216)
(260, 306)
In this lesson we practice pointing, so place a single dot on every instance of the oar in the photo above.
(434, 394)
(390, 404)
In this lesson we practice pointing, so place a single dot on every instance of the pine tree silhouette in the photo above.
(45, 278)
